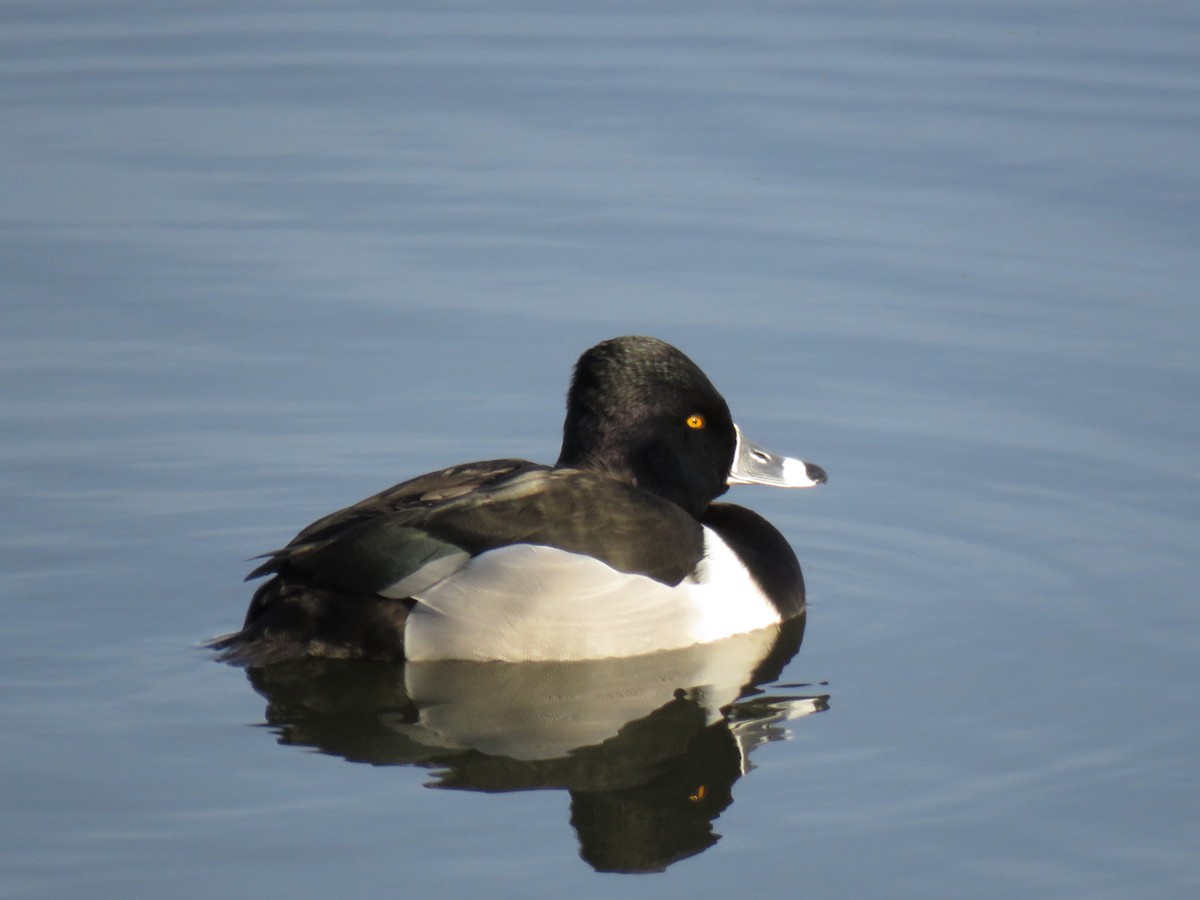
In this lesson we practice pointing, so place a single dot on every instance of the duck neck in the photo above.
(654, 473)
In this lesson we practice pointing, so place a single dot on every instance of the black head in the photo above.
(640, 409)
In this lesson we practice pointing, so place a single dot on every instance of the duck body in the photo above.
(617, 550)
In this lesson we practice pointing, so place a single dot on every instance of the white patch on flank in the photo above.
(539, 603)
(727, 598)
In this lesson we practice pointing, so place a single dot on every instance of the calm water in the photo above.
(257, 264)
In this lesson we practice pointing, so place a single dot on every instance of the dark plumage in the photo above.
(648, 443)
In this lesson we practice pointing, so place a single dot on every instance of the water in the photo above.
(257, 264)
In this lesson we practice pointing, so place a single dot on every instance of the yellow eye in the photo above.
(695, 420)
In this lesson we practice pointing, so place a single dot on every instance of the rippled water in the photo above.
(259, 263)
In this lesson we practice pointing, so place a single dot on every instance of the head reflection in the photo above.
(648, 747)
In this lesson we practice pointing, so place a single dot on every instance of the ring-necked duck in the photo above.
(616, 550)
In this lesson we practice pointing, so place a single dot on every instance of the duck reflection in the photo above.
(648, 747)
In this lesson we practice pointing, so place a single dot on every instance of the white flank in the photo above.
(539, 603)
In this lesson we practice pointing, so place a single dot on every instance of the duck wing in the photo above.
(417, 533)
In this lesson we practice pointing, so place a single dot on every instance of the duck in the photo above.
(618, 549)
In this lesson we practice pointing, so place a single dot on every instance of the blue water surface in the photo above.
(262, 260)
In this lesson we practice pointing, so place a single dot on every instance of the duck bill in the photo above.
(754, 465)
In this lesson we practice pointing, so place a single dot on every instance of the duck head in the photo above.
(639, 409)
